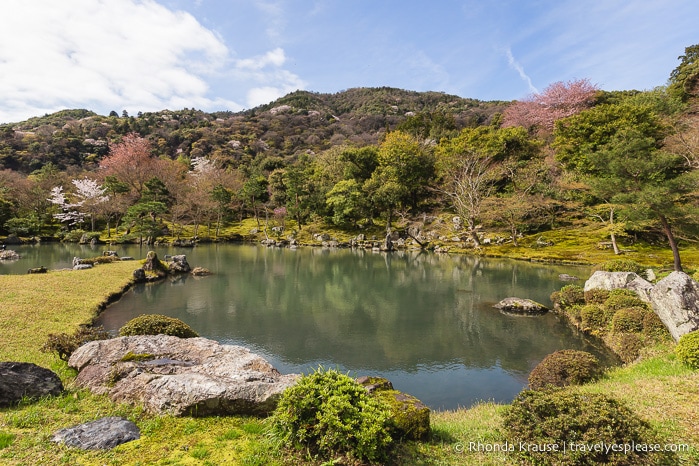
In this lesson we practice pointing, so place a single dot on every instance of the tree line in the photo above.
(627, 159)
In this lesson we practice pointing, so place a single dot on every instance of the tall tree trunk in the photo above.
(611, 232)
(473, 233)
(673, 244)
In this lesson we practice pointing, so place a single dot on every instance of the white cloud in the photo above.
(104, 55)
(274, 57)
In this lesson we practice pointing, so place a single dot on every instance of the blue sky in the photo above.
(149, 55)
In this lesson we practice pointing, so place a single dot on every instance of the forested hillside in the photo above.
(573, 154)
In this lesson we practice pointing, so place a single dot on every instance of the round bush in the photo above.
(155, 324)
(593, 317)
(596, 296)
(568, 295)
(622, 299)
(565, 367)
(653, 327)
(329, 413)
(629, 320)
(687, 349)
(552, 417)
(626, 345)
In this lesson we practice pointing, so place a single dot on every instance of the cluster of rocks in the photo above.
(21, 381)
(675, 298)
(154, 269)
(178, 376)
(8, 255)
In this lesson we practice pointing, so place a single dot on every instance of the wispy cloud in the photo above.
(515, 65)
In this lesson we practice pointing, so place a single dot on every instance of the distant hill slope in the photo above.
(299, 122)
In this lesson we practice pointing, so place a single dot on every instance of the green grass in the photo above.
(659, 388)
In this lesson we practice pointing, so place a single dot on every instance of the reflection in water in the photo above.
(425, 321)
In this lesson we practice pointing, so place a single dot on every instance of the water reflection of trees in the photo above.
(362, 309)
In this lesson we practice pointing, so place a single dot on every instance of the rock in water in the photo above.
(102, 434)
(23, 379)
(192, 376)
(521, 306)
(179, 264)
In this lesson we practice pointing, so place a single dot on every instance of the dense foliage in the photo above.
(687, 349)
(625, 161)
(155, 324)
(565, 367)
(625, 322)
(554, 425)
(329, 414)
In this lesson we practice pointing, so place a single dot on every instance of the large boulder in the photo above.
(675, 299)
(521, 306)
(192, 376)
(22, 379)
(613, 280)
(102, 434)
(179, 264)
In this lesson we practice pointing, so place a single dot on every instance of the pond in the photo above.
(424, 321)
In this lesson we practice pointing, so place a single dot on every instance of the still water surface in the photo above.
(424, 321)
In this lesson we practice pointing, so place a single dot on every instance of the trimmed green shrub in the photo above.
(653, 327)
(594, 318)
(329, 414)
(565, 367)
(155, 324)
(64, 345)
(622, 265)
(687, 349)
(622, 299)
(538, 420)
(596, 296)
(573, 312)
(628, 320)
(569, 295)
(626, 345)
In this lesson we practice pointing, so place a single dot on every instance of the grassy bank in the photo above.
(659, 389)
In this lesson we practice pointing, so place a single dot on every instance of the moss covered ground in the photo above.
(659, 389)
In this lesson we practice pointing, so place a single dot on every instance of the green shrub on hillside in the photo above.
(552, 417)
(328, 414)
(628, 320)
(594, 317)
(627, 346)
(64, 345)
(622, 265)
(569, 295)
(622, 299)
(596, 296)
(654, 328)
(687, 349)
(155, 324)
(565, 367)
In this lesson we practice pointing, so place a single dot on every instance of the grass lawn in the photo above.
(659, 389)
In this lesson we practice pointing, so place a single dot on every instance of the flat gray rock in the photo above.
(102, 434)
(180, 376)
(521, 306)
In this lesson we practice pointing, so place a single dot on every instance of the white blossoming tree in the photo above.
(89, 196)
